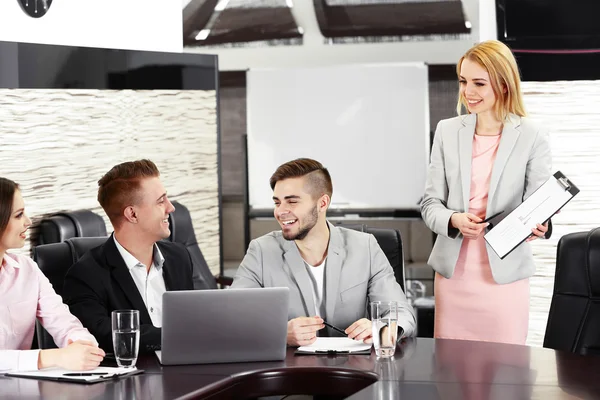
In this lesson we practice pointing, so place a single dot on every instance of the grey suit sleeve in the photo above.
(433, 206)
(384, 287)
(539, 168)
(250, 271)
(539, 165)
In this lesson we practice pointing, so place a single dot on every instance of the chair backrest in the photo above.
(574, 317)
(65, 225)
(182, 231)
(54, 260)
(390, 241)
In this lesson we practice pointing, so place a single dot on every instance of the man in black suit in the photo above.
(133, 268)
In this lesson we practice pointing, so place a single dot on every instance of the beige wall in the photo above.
(58, 143)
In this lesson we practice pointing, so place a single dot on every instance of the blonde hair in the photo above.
(497, 59)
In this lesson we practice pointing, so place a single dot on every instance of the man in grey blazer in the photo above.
(332, 273)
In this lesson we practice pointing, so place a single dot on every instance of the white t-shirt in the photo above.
(317, 278)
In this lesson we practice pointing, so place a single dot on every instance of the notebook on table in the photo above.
(334, 345)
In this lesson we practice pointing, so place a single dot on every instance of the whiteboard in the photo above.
(367, 124)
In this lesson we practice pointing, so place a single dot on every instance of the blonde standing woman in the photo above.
(484, 162)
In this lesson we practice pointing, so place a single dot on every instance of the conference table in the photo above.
(422, 369)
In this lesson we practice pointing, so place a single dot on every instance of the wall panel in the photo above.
(58, 143)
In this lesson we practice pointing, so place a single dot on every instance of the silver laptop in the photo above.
(224, 325)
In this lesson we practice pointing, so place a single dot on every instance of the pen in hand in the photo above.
(335, 328)
(491, 217)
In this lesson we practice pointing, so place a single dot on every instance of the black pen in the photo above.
(85, 373)
(335, 328)
(492, 217)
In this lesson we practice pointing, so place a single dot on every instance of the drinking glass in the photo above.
(384, 318)
(126, 336)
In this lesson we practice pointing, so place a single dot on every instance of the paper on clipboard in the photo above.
(99, 374)
(516, 227)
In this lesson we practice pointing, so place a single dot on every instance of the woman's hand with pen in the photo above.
(302, 331)
(468, 224)
(80, 355)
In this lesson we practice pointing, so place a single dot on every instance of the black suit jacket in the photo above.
(100, 283)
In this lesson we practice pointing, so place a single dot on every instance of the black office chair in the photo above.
(54, 260)
(65, 225)
(182, 231)
(574, 318)
(390, 241)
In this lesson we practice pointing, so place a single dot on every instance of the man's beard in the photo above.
(312, 216)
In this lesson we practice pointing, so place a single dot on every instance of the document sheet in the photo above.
(94, 375)
(536, 209)
(340, 345)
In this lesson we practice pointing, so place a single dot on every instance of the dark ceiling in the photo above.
(243, 22)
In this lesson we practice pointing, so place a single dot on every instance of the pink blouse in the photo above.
(26, 294)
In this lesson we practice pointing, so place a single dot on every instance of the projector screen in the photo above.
(368, 124)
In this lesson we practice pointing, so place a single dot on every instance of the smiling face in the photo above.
(295, 208)
(475, 87)
(14, 236)
(151, 210)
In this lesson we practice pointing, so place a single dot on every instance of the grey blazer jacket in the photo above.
(522, 164)
(356, 273)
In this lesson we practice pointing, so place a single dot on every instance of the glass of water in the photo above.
(384, 319)
(126, 336)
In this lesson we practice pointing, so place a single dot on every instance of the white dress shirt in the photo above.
(150, 284)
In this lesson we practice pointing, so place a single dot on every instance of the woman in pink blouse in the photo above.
(26, 294)
(482, 164)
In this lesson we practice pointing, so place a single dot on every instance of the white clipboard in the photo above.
(516, 227)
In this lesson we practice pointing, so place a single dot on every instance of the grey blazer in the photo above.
(357, 272)
(522, 165)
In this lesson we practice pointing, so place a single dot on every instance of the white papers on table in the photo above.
(64, 374)
(324, 344)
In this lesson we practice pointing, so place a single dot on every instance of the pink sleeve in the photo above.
(55, 315)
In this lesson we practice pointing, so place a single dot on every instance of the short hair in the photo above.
(119, 187)
(319, 180)
(497, 59)
(7, 196)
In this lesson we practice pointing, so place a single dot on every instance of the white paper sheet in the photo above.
(538, 207)
(335, 344)
(99, 373)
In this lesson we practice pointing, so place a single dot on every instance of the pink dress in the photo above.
(471, 305)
